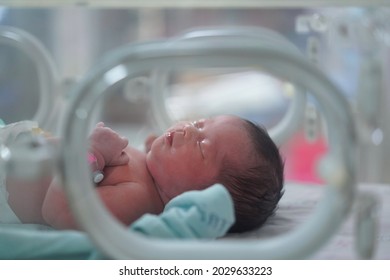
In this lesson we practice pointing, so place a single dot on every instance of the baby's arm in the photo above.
(127, 202)
(107, 147)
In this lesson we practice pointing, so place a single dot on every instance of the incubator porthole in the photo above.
(29, 82)
(180, 57)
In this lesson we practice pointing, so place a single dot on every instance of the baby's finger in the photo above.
(100, 124)
(122, 159)
(125, 142)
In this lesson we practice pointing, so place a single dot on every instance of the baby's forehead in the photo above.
(236, 141)
(222, 120)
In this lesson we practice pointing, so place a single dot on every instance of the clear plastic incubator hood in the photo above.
(312, 72)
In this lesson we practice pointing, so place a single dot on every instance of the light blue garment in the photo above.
(194, 214)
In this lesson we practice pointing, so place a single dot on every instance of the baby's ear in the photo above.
(149, 141)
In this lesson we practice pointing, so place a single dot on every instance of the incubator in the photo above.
(314, 74)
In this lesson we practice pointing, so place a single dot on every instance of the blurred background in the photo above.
(349, 44)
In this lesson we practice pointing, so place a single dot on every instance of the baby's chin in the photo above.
(164, 197)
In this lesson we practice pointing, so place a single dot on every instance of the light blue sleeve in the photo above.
(195, 214)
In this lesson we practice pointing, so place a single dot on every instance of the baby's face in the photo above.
(189, 156)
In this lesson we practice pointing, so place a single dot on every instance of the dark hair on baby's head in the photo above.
(256, 190)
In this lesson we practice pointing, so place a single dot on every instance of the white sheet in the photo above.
(298, 203)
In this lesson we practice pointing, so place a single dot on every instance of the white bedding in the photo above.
(298, 203)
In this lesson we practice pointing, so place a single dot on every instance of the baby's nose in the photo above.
(189, 127)
(190, 130)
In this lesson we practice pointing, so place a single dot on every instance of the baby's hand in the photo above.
(107, 146)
